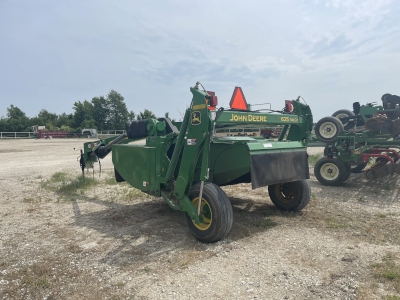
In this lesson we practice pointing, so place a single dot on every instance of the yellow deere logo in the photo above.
(196, 118)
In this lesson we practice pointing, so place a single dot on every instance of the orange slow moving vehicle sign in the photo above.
(238, 100)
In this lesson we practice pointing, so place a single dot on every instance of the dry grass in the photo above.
(55, 278)
(388, 271)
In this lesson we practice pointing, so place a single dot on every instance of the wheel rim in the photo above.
(370, 174)
(285, 192)
(343, 115)
(329, 171)
(328, 130)
(205, 213)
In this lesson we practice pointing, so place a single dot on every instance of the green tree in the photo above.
(83, 113)
(65, 122)
(14, 113)
(16, 120)
(118, 113)
(48, 119)
(147, 114)
(131, 115)
(101, 112)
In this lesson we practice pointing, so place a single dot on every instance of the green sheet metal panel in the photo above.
(231, 159)
(228, 162)
(136, 164)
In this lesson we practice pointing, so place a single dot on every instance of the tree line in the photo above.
(102, 113)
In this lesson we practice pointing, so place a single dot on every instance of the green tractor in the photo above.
(353, 138)
(185, 163)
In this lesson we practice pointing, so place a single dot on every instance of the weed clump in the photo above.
(64, 184)
(388, 271)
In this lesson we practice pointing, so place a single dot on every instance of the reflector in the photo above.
(288, 106)
(213, 101)
(238, 100)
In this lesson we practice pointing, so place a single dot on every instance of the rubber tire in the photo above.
(348, 113)
(118, 177)
(222, 213)
(359, 168)
(342, 176)
(338, 126)
(348, 170)
(301, 197)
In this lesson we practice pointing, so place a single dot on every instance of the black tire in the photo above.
(348, 170)
(370, 174)
(344, 113)
(358, 168)
(118, 177)
(330, 171)
(290, 196)
(328, 129)
(216, 211)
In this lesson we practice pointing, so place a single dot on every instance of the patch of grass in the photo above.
(392, 297)
(312, 159)
(111, 181)
(381, 215)
(313, 196)
(265, 224)
(28, 200)
(388, 187)
(63, 183)
(69, 187)
(130, 193)
(361, 199)
(332, 223)
(388, 271)
(45, 279)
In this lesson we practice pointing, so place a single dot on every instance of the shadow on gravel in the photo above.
(148, 231)
(380, 193)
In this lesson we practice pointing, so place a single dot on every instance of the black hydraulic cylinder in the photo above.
(102, 151)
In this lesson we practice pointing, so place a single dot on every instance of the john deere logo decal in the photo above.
(196, 118)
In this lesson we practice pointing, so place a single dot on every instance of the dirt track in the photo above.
(112, 242)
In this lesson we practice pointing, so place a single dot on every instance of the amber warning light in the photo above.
(238, 100)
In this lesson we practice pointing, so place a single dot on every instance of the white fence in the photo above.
(110, 132)
(17, 135)
(31, 135)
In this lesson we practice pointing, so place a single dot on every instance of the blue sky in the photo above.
(332, 52)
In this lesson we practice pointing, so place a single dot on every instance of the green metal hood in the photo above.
(263, 162)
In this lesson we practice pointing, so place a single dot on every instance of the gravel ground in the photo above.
(112, 242)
